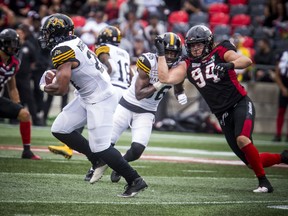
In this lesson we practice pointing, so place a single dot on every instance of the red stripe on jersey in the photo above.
(238, 86)
(247, 128)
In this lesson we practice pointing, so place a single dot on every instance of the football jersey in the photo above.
(7, 71)
(90, 78)
(148, 63)
(222, 94)
(120, 77)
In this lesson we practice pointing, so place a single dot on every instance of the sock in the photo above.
(253, 158)
(280, 121)
(25, 131)
(269, 159)
(113, 158)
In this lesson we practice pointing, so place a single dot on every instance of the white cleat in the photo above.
(261, 190)
(98, 173)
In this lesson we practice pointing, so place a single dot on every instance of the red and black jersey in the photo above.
(7, 71)
(222, 94)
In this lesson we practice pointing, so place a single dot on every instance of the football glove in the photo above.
(159, 44)
(182, 98)
(222, 68)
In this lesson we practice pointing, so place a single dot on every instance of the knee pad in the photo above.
(134, 152)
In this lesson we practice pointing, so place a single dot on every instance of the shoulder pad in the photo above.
(102, 49)
(144, 64)
(62, 54)
(228, 45)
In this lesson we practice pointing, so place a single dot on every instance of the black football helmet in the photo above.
(173, 45)
(9, 41)
(109, 35)
(199, 34)
(56, 29)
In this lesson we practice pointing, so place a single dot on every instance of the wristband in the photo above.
(158, 85)
(42, 87)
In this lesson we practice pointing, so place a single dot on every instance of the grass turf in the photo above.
(55, 186)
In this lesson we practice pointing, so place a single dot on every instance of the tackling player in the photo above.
(94, 105)
(211, 69)
(12, 108)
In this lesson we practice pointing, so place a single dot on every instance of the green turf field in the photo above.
(181, 170)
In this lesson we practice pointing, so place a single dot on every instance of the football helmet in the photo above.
(199, 34)
(110, 35)
(173, 47)
(9, 41)
(56, 29)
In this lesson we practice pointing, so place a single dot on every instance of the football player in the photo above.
(139, 103)
(211, 68)
(12, 108)
(94, 104)
(117, 62)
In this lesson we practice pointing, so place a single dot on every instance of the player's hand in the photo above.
(182, 99)
(222, 68)
(159, 44)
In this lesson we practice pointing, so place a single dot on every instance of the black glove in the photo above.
(222, 68)
(159, 44)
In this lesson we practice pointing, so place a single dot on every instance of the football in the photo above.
(50, 76)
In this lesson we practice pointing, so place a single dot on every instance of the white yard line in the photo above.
(151, 203)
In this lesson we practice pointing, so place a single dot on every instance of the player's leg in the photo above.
(65, 125)
(11, 110)
(63, 149)
(100, 126)
(121, 120)
(141, 129)
(282, 105)
(244, 116)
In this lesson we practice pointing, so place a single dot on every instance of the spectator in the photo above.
(131, 6)
(131, 26)
(89, 6)
(192, 6)
(264, 60)
(155, 27)
(7, 17)
(94, 24)
(139, 47)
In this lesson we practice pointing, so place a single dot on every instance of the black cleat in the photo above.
(132, 190)
(264, 186)
(276, 138)
(28, 154)
(115, 177)
(284, 157)
(89, 174)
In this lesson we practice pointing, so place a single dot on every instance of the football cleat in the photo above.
(276, 139)
(28, 154)
(98, 172)
(115, 177)
(264, 186)
(64, 150)
(89, 174)
(284, 157)
(133, 189)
